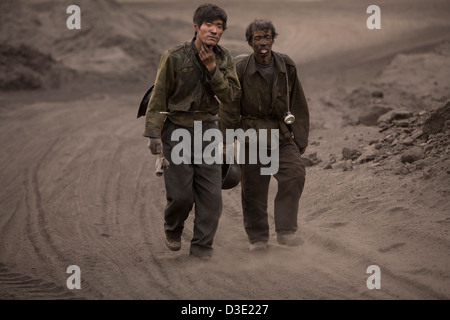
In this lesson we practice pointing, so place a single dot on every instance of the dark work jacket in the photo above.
(184, 93)
(261, 107)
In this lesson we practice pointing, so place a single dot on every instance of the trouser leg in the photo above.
(254, 194)
(208, 207)
(191, 183)
(178, 179)
(291, 181)
(180, 199)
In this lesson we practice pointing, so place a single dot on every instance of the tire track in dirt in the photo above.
(42, 231)
(37, 224)
(21, 286)
(104, 192)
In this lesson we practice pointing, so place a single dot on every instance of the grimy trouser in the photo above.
(189, 184)
(255, 191)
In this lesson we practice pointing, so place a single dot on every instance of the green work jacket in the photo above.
(185, 92)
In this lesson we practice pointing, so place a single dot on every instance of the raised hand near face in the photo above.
(207, 57)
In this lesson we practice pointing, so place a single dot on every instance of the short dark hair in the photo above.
(209, 12)
(259, 24)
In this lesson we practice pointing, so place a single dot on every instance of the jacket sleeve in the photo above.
(224, 82)
(230, 110)
(229, 114)
(299, 108)
(164, 85)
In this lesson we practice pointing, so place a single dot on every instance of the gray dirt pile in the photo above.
(414, 141)
(23, 67)
(37, 50)
(413, 82)
(412, 115)
(409, 142)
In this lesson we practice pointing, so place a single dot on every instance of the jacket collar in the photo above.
(280, 66)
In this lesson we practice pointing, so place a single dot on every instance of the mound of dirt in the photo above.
(410, 142)
(421, 141)
(23, 68)
(414, 124)
(409, 82)
(39, 51)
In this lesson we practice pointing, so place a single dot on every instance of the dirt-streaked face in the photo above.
(262, 45)
(209, 33)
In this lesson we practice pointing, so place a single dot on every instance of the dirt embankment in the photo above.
(38, 51)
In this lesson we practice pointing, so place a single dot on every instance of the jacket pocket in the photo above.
(263, 129)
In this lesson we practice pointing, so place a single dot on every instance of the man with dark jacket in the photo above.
(271, 98)
(192, 79)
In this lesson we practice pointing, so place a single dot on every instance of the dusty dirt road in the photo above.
(78, 188)
(84, 193)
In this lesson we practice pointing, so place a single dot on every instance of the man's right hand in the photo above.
(155, 145)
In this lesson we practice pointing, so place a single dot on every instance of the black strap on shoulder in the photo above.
(144, 102)
(245, 66)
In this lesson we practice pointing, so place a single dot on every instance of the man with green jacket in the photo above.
(192, 79)
(271, 99)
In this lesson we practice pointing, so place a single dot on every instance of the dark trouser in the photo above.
(187, 184)
(255, 191)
